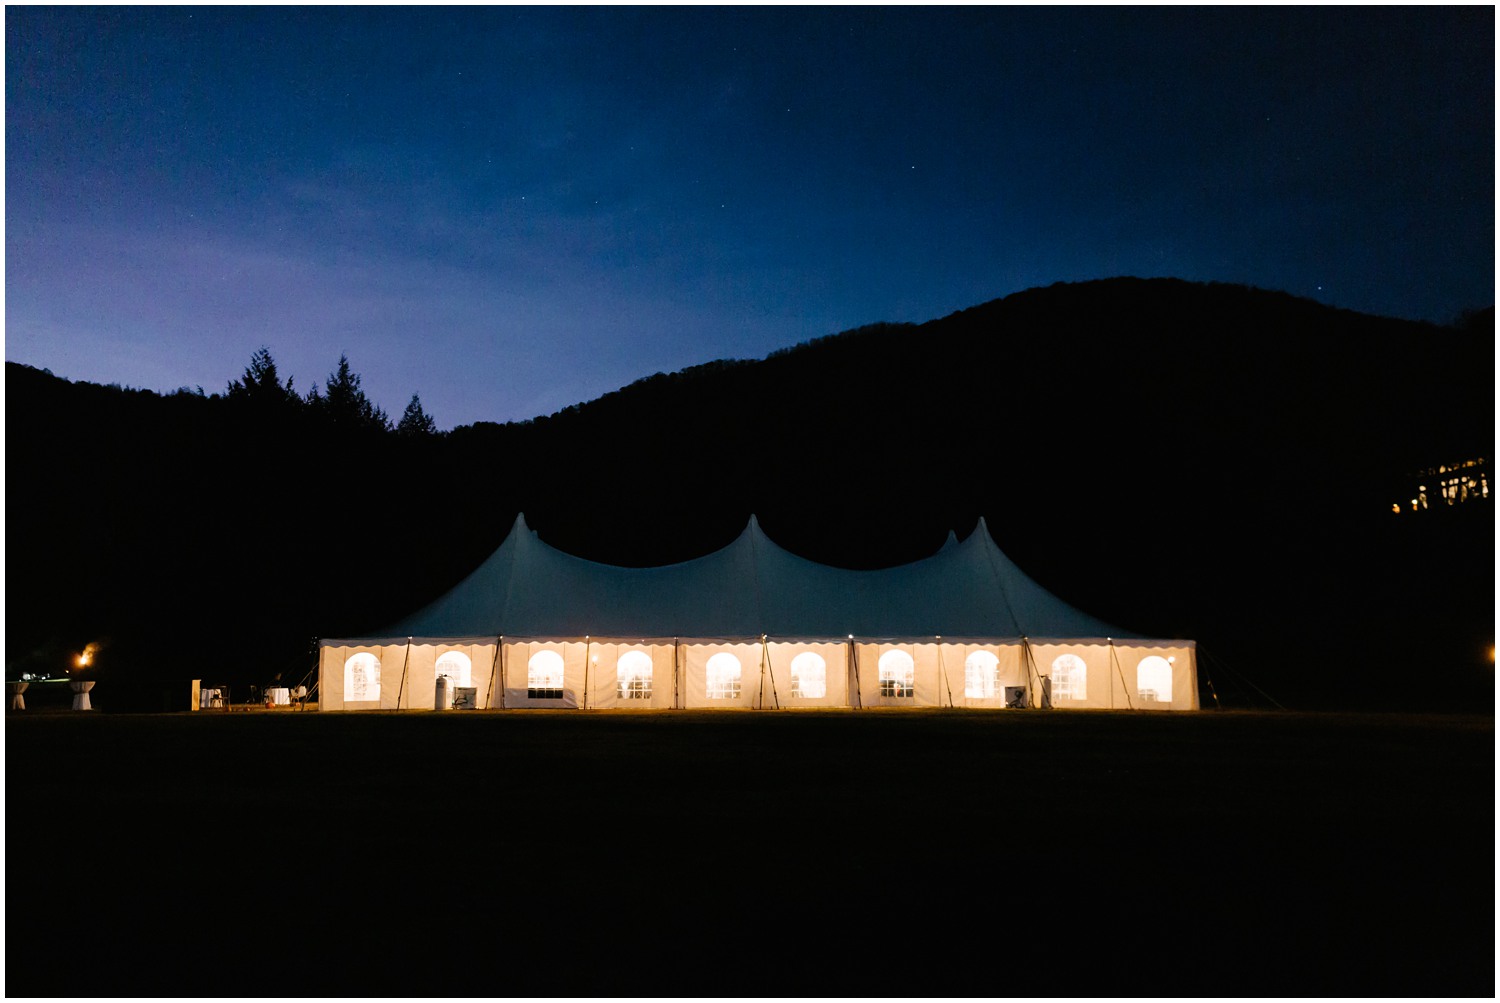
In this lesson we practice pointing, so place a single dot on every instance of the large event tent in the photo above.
(752, 626)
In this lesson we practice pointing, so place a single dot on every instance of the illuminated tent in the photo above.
(753, 626)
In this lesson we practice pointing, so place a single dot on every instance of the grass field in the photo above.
(794, 853)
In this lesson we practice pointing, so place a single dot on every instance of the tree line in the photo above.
(341, 401)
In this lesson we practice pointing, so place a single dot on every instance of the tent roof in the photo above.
(751, 587)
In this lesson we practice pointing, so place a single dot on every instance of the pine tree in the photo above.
(344, 403)
(261, 384)
(414, 421)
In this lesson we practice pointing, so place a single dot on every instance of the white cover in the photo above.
(766, 606)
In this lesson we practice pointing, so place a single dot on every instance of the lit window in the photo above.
(455, 665)
(1070, 678)
(809, 675)
(544, 676)
(981, 675)
(1153, 679)
(897, 674)
(362, 677)
(723, 677)
(634, 674)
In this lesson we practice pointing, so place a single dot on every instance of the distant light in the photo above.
(1171, 659)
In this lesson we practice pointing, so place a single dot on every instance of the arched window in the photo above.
(1070, 678)
(897, 674)
(544, 676)
(809, 675)
(362, 677)
(723, 671)
(1153, 679)
(981, 675)
(633, 671)
(455, 665)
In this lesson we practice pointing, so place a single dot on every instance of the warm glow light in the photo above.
(809, 676)
(1154, 679)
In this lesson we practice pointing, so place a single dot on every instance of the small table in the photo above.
(80, 688)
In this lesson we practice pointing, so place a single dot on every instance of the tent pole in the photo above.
(765, 664)
(760, 694)
(489, 698)
(858, 702)
(1121, 671)
(586, 644)
(943, 671)
(404, 663)
(1032, 670)
(676, 657)
(503, 680)
(1026, 666)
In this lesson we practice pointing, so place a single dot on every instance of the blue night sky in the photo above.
(509, 210)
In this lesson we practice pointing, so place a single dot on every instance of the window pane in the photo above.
(981, 675)
(544, 676)
(456, 666)
(1069, 677)
(633, 671)
(897, 674)
(809, 675)
(1153, 679)
(362, 677)
(723, 677)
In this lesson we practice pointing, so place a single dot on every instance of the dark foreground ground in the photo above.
(871, 854)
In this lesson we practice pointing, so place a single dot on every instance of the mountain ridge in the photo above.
(1153, 451)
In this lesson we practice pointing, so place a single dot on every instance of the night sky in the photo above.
(511, 210)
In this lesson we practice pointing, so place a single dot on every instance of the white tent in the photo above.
(753, 626)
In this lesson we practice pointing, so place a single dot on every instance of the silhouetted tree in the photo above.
(262, 384)
(344, 403)
(414, 421)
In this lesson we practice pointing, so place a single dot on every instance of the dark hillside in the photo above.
(1197, 460)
